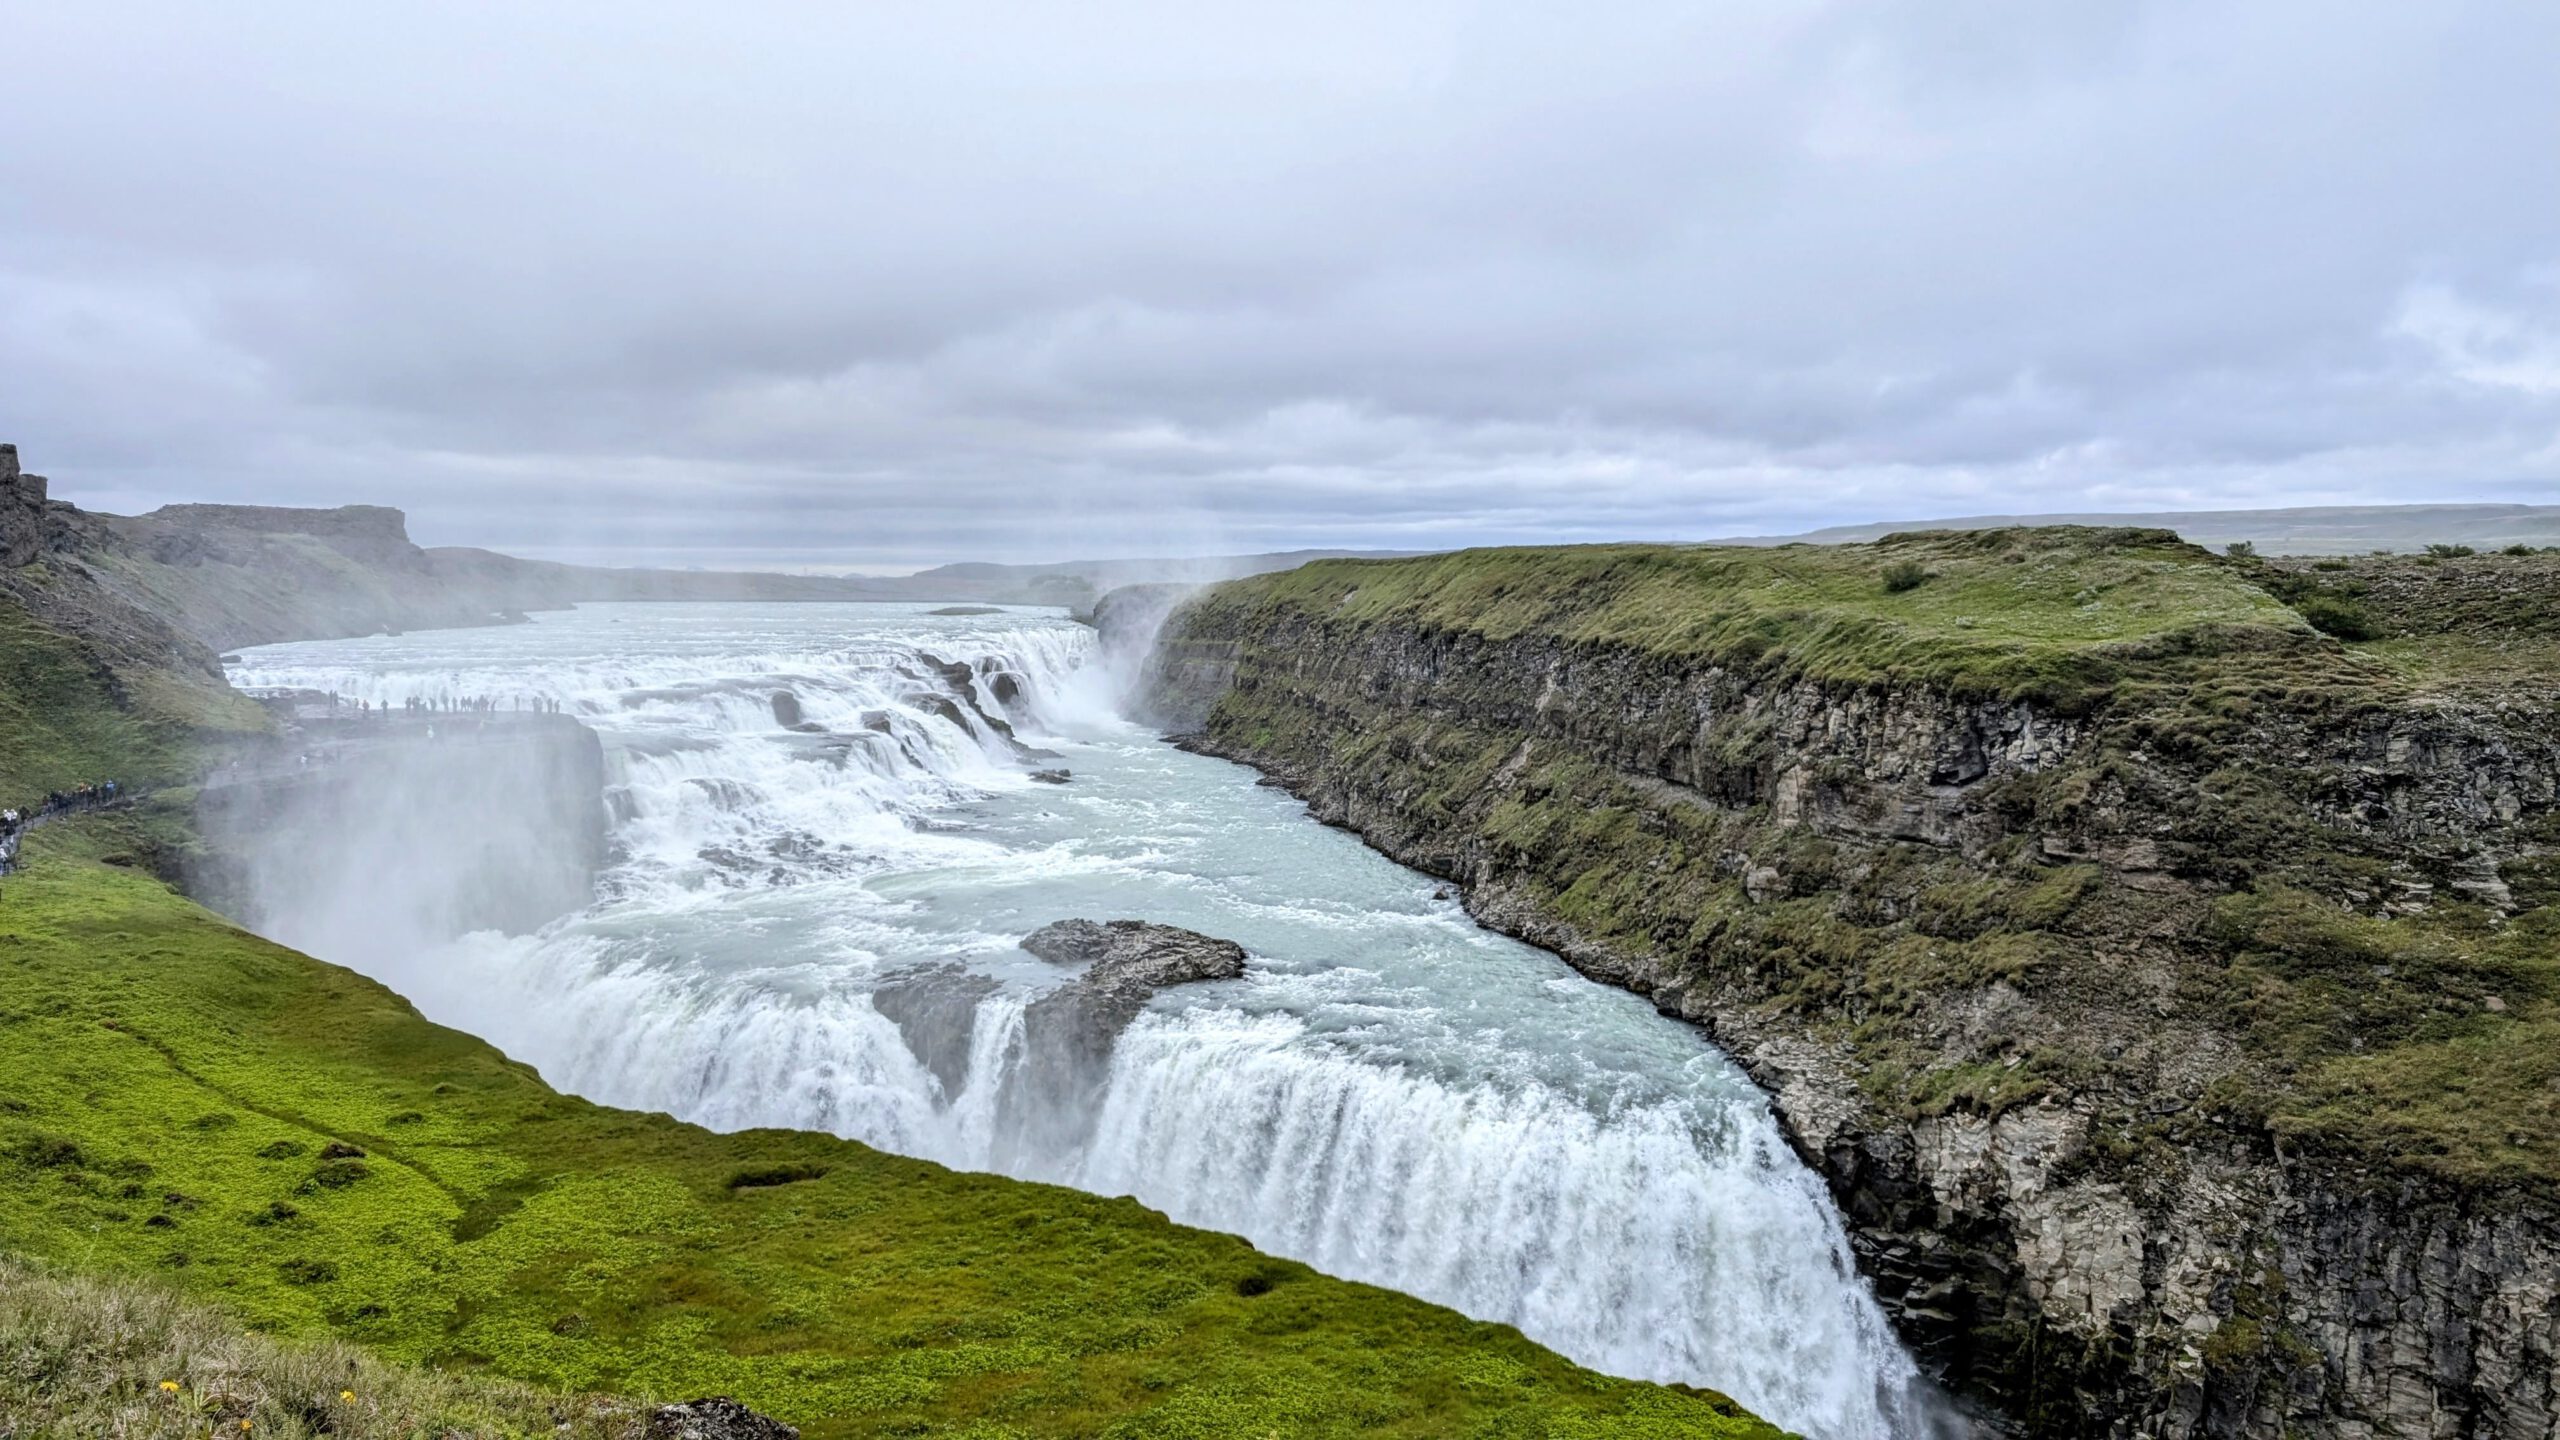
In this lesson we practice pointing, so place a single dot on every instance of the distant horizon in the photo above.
(1843, 532)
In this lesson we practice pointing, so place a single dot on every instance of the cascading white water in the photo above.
(1390, 1094)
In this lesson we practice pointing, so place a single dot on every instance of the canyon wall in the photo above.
(2170, 1014)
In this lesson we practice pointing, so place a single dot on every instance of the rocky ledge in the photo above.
(1068, 1032)
(1127, 961)
(2155, 1005)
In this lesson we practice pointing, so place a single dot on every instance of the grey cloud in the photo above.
(844, 286)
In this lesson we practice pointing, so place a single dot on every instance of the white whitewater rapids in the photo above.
(1391, 1094)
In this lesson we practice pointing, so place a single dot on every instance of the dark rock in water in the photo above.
(1067, 1034)
(725, 794)
(953, 673)
(967, 610)
(876, 721)
(730, 863)
(932, 704)
(964, 697)
(1005, 686)
(230, 659)
(1053, 777)
(718, 1418)
(936, 1012)
(1136, 955)
(786, 709)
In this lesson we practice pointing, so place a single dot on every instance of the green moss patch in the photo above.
(181, 1099)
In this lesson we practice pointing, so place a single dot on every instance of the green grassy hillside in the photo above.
(2055, 615)
(74, 709)
(181, 1099)
(88, 1355)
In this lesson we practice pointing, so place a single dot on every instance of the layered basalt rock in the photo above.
(2053, 988)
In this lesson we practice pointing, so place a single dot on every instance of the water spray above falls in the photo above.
(829, 847)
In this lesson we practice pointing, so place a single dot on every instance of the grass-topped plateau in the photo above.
(2173, 891)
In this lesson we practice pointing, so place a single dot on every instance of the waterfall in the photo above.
(1389, 1095)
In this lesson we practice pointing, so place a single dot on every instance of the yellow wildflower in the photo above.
(170, 1386)
(347, 1395)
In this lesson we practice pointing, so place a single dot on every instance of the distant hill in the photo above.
(2306, 530)
(234, 575)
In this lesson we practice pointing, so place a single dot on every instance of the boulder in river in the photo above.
(1053, 777)
(1136, 954)
(1068, 1033)
(786, 709)
(936, 1012)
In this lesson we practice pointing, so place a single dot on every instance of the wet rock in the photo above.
(1136, 955)
(1068, 1033)
(967, 610)
(786, 709)
(717, 1418)
(942, 706)
(954, 674)
(936, 1012)
(1053, 777)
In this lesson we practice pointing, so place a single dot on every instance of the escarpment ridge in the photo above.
(2165, 986)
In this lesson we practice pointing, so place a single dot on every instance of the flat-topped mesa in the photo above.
(375, 533)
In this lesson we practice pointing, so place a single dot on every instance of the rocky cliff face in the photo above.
(2171, 1042)
(32, 525)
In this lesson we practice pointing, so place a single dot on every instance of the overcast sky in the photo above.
(877, 285)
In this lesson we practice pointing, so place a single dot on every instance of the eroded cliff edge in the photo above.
(2165, 988)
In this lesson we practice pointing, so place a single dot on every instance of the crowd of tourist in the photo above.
(14, 820)
(84, 796)
(454, 705)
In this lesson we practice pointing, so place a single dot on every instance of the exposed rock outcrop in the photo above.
(1068, 1033)
(1127, 961)
(719, 1418)
(1994, 956)
(1055, 1086)
(936, 1012)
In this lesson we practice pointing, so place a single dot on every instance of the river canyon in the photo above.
(829, 828)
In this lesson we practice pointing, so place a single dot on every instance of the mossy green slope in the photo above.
(2057, 617)
(285, 1137)
(88, 1355)
(73, 710)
